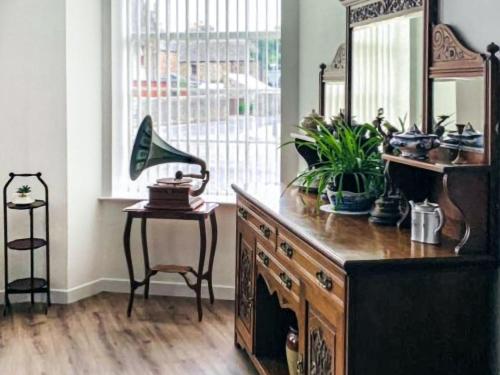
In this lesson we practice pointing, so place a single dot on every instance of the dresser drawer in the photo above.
(314, 267)
(264, 226)
(279, 276)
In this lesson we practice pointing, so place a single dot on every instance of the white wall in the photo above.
(290, 85)
(84, 129)
(322, 31)
(33, 115)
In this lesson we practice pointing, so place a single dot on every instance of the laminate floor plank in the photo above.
(94, 336)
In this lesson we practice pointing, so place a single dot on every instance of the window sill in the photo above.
(222, 200)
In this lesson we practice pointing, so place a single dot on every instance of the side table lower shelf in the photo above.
(23, 286)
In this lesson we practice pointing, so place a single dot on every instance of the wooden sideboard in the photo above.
(365, 299)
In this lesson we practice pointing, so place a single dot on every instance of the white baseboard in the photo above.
(160, 288)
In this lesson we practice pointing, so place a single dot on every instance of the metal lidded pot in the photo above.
(427, 220)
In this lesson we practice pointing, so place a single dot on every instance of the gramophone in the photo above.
(176, 193)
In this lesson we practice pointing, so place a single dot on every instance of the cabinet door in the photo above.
(245, 282)
(324, 344)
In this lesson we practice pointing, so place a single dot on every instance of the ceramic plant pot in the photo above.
(22, 198)
(292, 350)
(350, 202)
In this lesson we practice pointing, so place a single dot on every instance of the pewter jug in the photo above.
(427, 220)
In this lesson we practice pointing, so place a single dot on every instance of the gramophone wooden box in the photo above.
(172, 197)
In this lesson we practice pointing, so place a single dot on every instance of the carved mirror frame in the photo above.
(448, 57)
(335, 72)
(362, 12)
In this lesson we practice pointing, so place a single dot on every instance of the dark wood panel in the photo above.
(421, 322)
(245, 284)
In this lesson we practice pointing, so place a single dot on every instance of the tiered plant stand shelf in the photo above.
(32, 284)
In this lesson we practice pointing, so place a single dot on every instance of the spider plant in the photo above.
(346, 153)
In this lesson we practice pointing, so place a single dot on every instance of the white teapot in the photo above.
(427, 220)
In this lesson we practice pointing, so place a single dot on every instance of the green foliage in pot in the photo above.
(345, 152)
(24, 190)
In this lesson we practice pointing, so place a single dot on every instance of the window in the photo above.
(208, 72)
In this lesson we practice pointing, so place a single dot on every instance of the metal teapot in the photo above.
(427, 220)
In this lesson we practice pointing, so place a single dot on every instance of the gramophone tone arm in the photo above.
(206, 178)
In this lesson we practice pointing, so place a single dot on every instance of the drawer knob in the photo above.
(287, 249)
(266, 232)
(264, 258)
(286, 280)
(324, 280)
(243, 213)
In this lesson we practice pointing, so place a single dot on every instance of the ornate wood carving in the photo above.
(336, 70)
(246, 269)
(382, 8)
(321, 356)
(447, 48)
(274, 288)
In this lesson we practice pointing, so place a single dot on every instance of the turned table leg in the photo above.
(128, 257)
(201, 265)
(213, 225)
(145, 252)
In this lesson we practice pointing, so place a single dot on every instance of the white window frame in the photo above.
(119, 114)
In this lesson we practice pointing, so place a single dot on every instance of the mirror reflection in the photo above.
(387, 70)
(334, 98)
(334, 79)
(459, 101)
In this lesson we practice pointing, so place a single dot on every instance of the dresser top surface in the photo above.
(349, 240)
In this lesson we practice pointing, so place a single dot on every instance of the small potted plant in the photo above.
(23, 196)
(350, 169)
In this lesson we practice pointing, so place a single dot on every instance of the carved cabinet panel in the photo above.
(322, 347)
(245, 284)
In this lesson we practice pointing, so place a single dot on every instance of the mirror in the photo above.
(459, 101)
(387, 69)
(334, 98)
(334, 81)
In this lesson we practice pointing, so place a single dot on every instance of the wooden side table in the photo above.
(201, 214)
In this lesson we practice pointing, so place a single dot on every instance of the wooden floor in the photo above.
(94, 336)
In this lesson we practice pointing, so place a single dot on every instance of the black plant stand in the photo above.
(32, 284)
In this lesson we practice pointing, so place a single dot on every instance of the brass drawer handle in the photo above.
(287, 249)
(266, 232)
(324, 280)
(264, 258)
(243, 213)
(286, 280)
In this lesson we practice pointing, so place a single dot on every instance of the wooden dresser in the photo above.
(365, 299)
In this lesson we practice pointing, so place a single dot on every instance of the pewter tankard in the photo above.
(427, 220)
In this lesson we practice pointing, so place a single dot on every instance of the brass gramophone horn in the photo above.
(150, 150)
